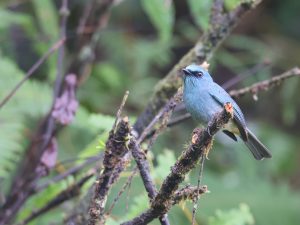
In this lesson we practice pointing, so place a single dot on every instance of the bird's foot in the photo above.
(207, 150)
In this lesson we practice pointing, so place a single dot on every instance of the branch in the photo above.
(163, 115)
(188, 193)
(65, 195)
(116, 148)
(266, 84)
(31, 71)
(201, 142)
(126, 184)
(144, 168)
(22, 185)
(216, 15)
(202, 51)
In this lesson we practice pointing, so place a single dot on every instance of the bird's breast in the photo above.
(200, 105)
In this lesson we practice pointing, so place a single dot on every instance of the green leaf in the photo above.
(47, 18)
(8, 18)
(240, 216)
(250, 44)
(109, 75)
(288, 95)
(140, 203)
(94, 148)
(40, 199)
(101, 122)
(201, 12)
(229, 59)
(165, 161)
(32, 100)
(97, 123)
(161, 14)
(231, 4)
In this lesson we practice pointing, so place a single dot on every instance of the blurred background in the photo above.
(141, 42)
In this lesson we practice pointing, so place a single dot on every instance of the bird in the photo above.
(203, 98)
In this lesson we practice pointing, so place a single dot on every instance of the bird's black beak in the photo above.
(186, 72)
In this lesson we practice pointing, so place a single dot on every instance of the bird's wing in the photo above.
(238, 117)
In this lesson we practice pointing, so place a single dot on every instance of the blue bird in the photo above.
(204, 98)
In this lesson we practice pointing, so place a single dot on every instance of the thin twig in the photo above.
(123, 188)
(82, 22)
(245, 74)
(173, 122)
(120, 109)
(31, 71)
(97, 19)
(168, 108)
(67, 173)
(196, 199)
(266, 84)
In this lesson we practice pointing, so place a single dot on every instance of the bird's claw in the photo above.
(207, 150)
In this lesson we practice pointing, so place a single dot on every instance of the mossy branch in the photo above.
(116, 148)
(201, 142)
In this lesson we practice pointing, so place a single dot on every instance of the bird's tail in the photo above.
(257, 148)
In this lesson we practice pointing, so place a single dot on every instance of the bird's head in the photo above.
(196, 73)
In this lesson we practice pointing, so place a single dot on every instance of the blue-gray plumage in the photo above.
(204, 98)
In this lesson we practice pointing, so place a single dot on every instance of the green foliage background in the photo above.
(142, 41)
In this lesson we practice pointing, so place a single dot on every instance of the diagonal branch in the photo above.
(200, 143)
(144, 168)
(31, 71)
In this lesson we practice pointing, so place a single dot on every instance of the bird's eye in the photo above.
(199, 74)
